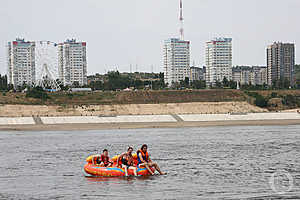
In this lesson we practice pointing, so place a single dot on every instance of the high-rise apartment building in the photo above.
(218, 60)
(281, 62)
(258, 75)
(176, 60)
(21, 62)
(255, 75)
(72, 63)
(196, 74)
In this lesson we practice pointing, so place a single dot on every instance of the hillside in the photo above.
(133, 97)
(163, 101)
(129, 109)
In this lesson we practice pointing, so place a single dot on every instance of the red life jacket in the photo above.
(96, 160)
(104, 159)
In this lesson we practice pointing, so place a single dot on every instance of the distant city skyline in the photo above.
(123, 33)
(41, 63)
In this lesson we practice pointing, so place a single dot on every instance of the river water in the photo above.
(260, 162)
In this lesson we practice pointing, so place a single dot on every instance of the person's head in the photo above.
(144, 148)
(105, 152)
(129, 150)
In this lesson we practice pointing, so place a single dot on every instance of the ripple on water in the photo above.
(208, 163)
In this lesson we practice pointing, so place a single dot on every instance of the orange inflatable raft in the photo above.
(113, 171)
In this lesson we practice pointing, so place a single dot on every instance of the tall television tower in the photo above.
(181, 22)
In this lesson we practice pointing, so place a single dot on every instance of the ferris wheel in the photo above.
(46, 65)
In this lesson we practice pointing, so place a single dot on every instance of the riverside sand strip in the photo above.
(148, 121)
(128, 109)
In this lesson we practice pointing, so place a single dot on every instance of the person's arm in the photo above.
(110, 161)
(101, 160)
(119, 158)
(95, 160)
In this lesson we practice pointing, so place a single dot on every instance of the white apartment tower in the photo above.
(176, 60)
(21, 62)
(72, 63)
(218, 60)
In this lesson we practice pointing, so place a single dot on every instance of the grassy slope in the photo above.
(138, 97)
(267, 93)
(146, 97)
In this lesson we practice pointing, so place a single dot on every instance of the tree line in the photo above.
(114, 80)
(4, 86)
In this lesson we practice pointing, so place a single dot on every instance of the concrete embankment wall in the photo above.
(147, 118)
(116, 119)
(16, 120)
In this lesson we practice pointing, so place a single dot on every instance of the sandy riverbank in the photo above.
(85, 127)
(129, 109)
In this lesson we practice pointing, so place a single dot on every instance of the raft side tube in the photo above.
(114, 171)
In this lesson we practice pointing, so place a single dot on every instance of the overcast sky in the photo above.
(119, 33)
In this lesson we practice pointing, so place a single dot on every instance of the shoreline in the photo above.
(142, 125)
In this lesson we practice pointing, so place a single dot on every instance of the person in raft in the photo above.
(127, 161)
(103, 160)
(145, 161)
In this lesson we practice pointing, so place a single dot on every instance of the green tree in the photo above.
(286, 84)
(139, 84)
(260, 101)
(281, 84)
(37, 92)
(290, 100)
(116, 81)
(225, 82)
(75, 84)
(232, 84)
(199, 84)
(96, 85)
(186, 81)
(3, 83)
(218, 84)
(274, 95)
